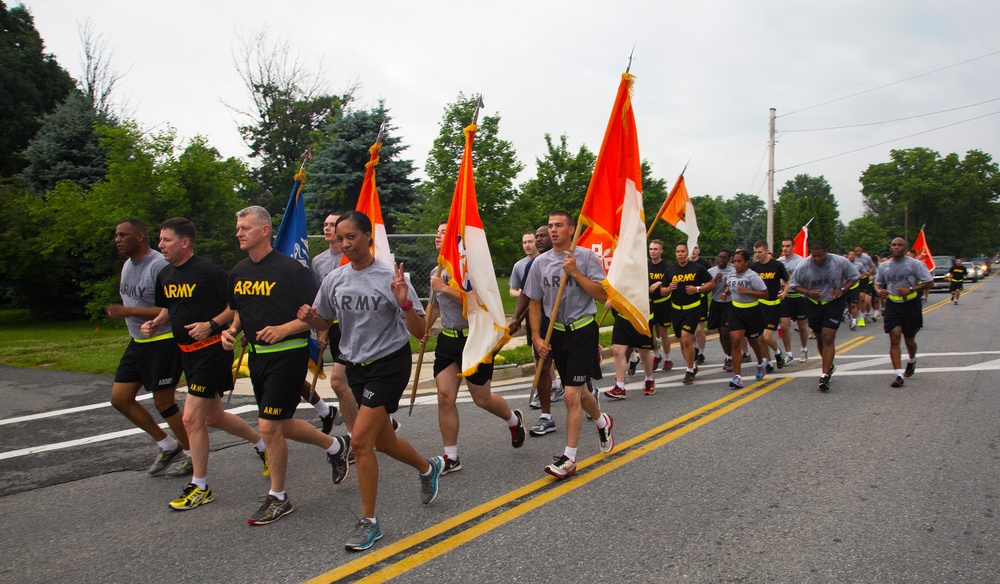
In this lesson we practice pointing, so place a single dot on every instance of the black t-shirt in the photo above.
(773, 273)
(690, 274)
(270, 292)
(958, 273)
(656, 272)
(195, 291)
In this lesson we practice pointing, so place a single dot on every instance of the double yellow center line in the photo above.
(406, 554)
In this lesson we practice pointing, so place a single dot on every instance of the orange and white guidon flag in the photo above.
(613, 214)
(678, 210)
(801, 242)
(465, 254)
(923, 252)
(368, 204)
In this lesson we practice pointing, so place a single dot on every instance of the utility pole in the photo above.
(770, 184)
(906, 222)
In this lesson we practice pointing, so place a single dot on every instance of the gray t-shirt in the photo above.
(865, 262)
(834, 273)
(720, 285)
(906, 272)
(137, 289)
(791, 262)
(748, 279)
(372, 325)
(325, 263)
(542, 284)
(451, 309)
(517, 273)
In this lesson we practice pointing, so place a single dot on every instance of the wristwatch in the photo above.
(214, 326)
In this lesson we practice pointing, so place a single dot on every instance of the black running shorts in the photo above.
(381, 383)
(208, 371)
(794, 308)
(449, 350)
(623, 333)
(277, 381)
(827, 315)
(661, 312)
(718, 314)
(956, 286)
(686, 320)
(154, 364)
(575, 354)
(749, 319)
(771, 315)
(909, 316)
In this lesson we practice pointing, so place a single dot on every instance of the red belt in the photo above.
(191, 347)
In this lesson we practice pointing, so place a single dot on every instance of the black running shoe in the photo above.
(780, 360)
(769, 367)
(518, 432)
(328, 419)
(833, 367)
(272, 510)
(898, 382)
(700, 358)
(632, 366)
(339, 462)
(911, 368)
(688, 378)
(824, 383)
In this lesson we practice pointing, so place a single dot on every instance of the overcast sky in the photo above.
(706, 74)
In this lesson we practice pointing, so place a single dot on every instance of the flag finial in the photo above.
(629, 67)
(381, 128)
(479, 105)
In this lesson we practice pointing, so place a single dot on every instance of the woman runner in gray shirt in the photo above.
(377, 317)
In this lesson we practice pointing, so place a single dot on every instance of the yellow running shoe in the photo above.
(263, 458)
(192, 497)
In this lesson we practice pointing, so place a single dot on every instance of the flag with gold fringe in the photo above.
(613, 213)
(465, 254)
(368, 204)
(923, 252)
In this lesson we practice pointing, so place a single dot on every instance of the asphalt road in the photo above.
(776, 483)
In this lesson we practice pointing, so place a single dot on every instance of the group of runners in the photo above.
(186, 314)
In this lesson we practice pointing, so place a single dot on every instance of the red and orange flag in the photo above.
(613, 214)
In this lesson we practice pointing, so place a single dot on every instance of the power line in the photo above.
(895, 120)
(886, 142)
(889, 84)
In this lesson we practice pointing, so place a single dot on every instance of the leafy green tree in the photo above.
(801, 199)
(495, 167)
(866, 232)
(66, 147)
(335, 175)
(748, 217)
(956, 198)
(289, 105)
(560, 182)
(70, 228)
(31, 84)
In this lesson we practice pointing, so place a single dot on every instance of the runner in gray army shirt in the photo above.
(899, 282)
(574, 342)
(447, 302)
(377, 312)
(822, 278)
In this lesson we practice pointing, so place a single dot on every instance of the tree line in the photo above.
(72, 167)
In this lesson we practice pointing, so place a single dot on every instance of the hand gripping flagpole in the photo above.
(430, 302)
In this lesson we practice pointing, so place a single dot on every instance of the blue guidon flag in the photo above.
(293, 240)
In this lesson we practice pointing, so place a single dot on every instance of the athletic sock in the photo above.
(913, 360)
(372, 520)
(570, 453)
(512, 421)
(322, 408)
(690, 370)
(634, 358)
(649, 378)
(260, 445)
(334, 448)
(168, 443)
(451, 452)
(546, 416)
(186, 453)
(201, 483)
(277, 495)
(601, 422)
(899, 373)
(620, 384)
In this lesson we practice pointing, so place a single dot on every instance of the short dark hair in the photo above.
(684, 243)
(817, 244)
(360, 220)
(182, 226)
(760, 243)
(788, 239)
(728, 253)
(569, 218)
(137, 224)
(743, 254)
